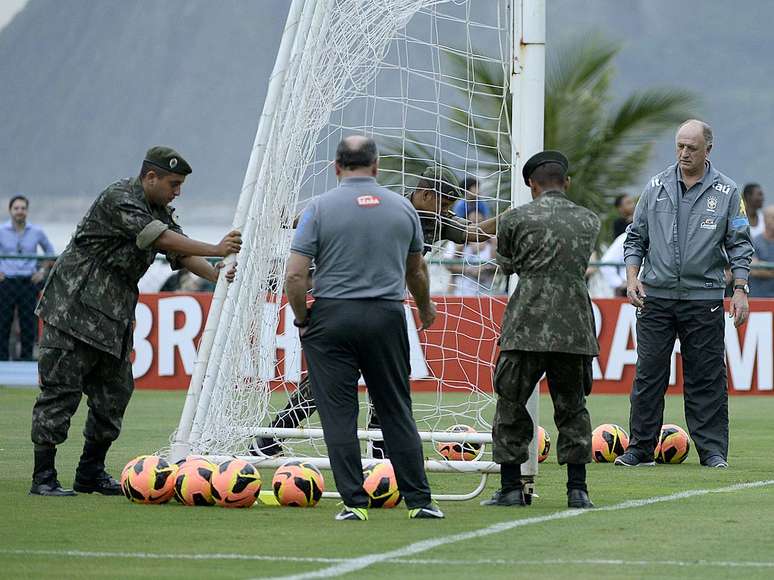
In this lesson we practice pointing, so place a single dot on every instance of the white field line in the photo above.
(398, 556)
(404, 561)
(362, 562)
(158, 556)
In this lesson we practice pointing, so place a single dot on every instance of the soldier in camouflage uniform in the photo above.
(87, 308)
(548, 327)
(432, 197)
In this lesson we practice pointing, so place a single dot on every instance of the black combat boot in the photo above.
(511, 492)
(577, 492)
(91, 477)
(44, 481)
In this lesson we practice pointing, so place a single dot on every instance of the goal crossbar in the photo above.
(432, 465)
(376, 435)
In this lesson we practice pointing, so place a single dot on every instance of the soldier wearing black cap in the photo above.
(433, 195)
(548, 327)
(87, 308)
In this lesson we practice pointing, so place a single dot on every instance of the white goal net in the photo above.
(427, 79)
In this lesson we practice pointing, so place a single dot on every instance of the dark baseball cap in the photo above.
(444, 181)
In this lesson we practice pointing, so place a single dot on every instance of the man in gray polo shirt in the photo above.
(366, 244)
(689, 224)
(433, 195)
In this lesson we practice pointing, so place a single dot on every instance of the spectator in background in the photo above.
(615, 276)
(624, 204)
(475, 274)
(762, 281)
(20, 279)
(753, 202)
(471, 202)
(185, 281)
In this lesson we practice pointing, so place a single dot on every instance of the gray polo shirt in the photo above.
(359, 235)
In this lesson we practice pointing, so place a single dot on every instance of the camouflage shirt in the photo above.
(441, 226)
(548, 243)
(92, 291)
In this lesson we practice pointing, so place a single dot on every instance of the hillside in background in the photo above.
(87, 86)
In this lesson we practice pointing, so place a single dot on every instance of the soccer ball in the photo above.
(298, 484)
(608, 441)
(148, 479)
(673, 445)
(453, 451)
(544, 444)
(381, 486)
(193, 484)
(236, 483)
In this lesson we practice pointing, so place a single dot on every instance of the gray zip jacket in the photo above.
(718, 234)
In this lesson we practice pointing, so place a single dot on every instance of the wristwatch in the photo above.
(304, 323)
(743, 287)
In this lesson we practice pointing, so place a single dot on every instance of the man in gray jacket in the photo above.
(689, 224)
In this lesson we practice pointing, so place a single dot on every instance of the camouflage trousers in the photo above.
(70, 368)
(569, 381)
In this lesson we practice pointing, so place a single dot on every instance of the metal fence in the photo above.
(19, 293)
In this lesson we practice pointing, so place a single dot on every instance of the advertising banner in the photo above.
(460, 349)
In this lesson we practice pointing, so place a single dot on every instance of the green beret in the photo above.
(541, 159)
(167, 159)
(443, 179)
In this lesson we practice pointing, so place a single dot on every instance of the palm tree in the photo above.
(608, 144)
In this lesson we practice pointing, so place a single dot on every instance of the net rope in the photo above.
(425, 79)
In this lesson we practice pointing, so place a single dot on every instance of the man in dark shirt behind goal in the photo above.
(432, 198)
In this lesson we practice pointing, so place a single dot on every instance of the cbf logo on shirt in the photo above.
(368, 201)
(712, 203)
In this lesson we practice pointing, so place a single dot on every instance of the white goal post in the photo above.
(453, 82)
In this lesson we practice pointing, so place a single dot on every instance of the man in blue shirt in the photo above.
(20, 279)
(471, 202)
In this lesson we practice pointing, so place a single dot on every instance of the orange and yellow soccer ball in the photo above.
(608, 441)
(235, 483)
(148, 479)
(298, 484)
(193, 483)
(454, 451)
(673, 445)
(544, 444)
(381, 485)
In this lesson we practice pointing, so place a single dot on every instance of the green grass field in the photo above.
(708, 535)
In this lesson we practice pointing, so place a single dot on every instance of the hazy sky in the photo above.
(8, 9)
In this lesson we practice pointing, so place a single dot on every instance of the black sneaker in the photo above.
(354, 514)
(51, 488)
(715, 461)
(631, 459)
(428, 512)
(579, 499)
(102, 484)
(266, 446)
(515, 497)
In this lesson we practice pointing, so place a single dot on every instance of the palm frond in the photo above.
(608, 145)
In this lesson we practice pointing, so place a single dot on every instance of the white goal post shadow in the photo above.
(306, 19)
